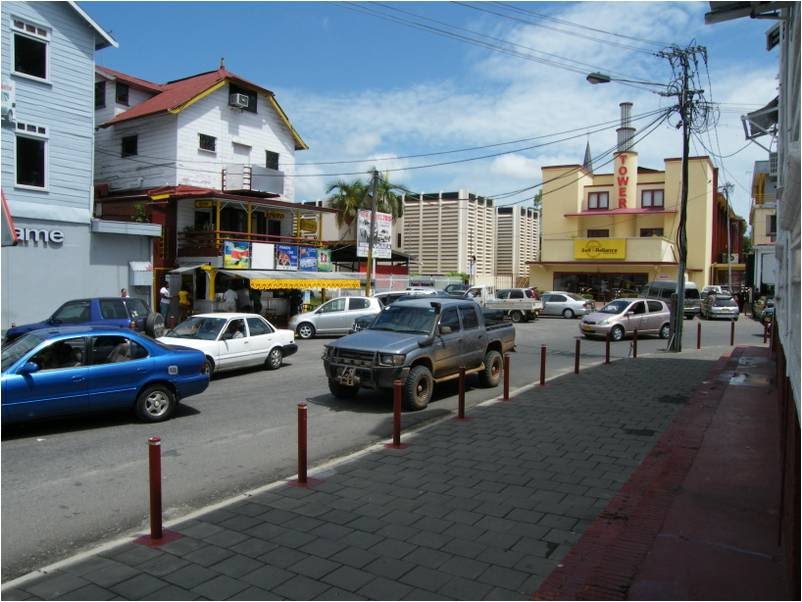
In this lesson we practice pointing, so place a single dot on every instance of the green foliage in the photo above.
(350, 197)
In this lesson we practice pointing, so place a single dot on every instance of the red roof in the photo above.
(173, 94)
(131, 81)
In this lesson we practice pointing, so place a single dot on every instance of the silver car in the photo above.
(334, 317)
(567, 305)
(624, 316)
(720, 306)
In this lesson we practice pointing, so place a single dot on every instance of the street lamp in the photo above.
(596, 78)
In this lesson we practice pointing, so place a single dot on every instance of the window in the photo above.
(115, 349)
(503, 293)
(30, 49)
(333, 305)
(598, 200)
(100, 95)
(516, 294)
(207, 143)
(232, 89)
(654, 306)
(558, 299)
(450, 318)
(136, 308)
(271, 160)
(234, 330)
(31, 150)
(398, 240)
(598, 234)
(771, 225)
(646, 232)
(358, 303)
(651, 198)
(639, 308)
(121, 93)
(73, 312)
(113, 309)
(129, 146)
(61, 354)
(258, 327)
(469, 318)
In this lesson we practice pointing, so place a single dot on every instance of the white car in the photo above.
(233, 340)
(335, 316)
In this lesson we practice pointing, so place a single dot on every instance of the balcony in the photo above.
(654, 249)
(210, 243)
(237, 178)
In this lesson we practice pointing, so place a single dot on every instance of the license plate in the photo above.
(346, 376)
(586, 328)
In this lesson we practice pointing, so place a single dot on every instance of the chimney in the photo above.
(626, 132)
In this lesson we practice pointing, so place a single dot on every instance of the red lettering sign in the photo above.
(622, 203)
(623, 181)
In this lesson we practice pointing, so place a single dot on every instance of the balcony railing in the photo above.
(210, 243)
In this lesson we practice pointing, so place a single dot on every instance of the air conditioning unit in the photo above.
(773, 164)
(239, 100)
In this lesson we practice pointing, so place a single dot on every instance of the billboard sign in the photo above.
(236, 255)
(323, 260)
(382, 234)
(286, 257)
(307, 259)
(263, 256)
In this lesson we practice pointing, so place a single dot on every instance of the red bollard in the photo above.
(576, 356)
(155, 469)
(506, 377)
(396, 444)
(542, 365)
(302, 443)
(699, 335)
(635, 344)
(732, 333)
(461, 408)
(607, 348)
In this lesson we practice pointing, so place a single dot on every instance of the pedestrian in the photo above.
(164, 300)
(230, 299)
(184, 303)
(124, 293)
(243, 299)
(256, 300)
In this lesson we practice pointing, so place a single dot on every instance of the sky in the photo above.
(396, 85)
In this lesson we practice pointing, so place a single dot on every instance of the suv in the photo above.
(663, 289)
(123, 312)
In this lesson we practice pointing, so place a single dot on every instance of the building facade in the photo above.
(517, 242)
(48, 51)
(763, 219)
(611, 233)
(450, 232)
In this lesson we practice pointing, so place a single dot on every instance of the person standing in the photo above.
(184, 303)
(124, 293)
(164, 300)
(243, 299)
(230, 299)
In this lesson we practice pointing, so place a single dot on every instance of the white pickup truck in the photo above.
(519, 310)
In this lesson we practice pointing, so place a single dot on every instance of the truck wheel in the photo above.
(418, 388)
(306, 330)
(342, 391)
(154, 325)
(516, 316)
(155, 403)
(490, 375)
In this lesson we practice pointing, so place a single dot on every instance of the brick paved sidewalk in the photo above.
(483, 509)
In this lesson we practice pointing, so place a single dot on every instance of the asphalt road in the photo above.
(68, 485)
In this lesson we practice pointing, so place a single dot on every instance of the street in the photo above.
(71, 484)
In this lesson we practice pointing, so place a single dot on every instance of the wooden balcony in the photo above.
(210, 243)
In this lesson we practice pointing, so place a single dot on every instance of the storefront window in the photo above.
(603, 286)
(598, 234)
(646, 232)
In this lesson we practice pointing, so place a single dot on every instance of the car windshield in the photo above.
(416, 320)
(725, 302)
(616, 307)
(198, 328)
(13, 352)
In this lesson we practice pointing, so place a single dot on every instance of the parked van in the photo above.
(663, 289)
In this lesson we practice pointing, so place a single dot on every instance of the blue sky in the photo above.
(359, 87)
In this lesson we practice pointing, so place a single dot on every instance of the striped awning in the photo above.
(266, 280)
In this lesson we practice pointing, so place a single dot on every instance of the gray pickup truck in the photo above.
(420, 342)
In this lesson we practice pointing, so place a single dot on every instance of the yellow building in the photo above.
(606, 231)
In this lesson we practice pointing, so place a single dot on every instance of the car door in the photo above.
(357, 308)
(474, 338)
(234, 346)
(655, 317)
(638, 320)
(546, 301)
(261, 337)
(58, 387)
(330, 315)
(447, 346)
(557, 304)
(118, 366)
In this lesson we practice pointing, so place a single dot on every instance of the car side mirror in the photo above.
(445, 329)
(29, 368)
(426, 342)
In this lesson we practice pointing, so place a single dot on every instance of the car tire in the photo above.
(155, 403)
(305, 330)
(418, 388)
(342, 391)
(154, 325)
(516, 316)
(274, 359)
(665, 330)
(210, 367)
(617, 333)
(490, 376)
(568, 314)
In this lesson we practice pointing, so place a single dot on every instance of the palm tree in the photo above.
(389, 199)
(349, 198)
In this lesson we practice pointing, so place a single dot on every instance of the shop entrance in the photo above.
(603, 286)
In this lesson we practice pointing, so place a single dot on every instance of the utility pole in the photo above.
(729, 237)
(369, 267)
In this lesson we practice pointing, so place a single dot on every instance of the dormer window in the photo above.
(122, 94)
(100, 94)
(598, 200)
(237, 94)
(651, 199)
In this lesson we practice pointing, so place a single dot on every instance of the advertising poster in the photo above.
(382, 234)
(263, 256)
(323, 260)
(286, 257)
(236, 255)
(307, 259)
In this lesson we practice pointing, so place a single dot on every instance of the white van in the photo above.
(663, 289)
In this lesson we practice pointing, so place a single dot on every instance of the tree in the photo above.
(538, 200)
(355, 195)
(389, 199)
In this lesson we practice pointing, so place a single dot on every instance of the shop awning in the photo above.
(186, 268)
(265, 280)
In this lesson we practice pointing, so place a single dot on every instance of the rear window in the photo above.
(137, 308)
(113, 309)
(358, 303)
(725, 302)
(691, 293)
(655, 306)
(469, 318)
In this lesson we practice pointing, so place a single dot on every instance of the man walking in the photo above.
(164, 300)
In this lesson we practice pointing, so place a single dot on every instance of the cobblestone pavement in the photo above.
(478, 509)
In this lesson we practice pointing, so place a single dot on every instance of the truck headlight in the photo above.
(391, 359)
(328, 352)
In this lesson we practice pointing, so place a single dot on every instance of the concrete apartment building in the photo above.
(763, 219)
(517, 242)
(448, 232)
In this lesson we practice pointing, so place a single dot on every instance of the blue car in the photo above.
(71, 369)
